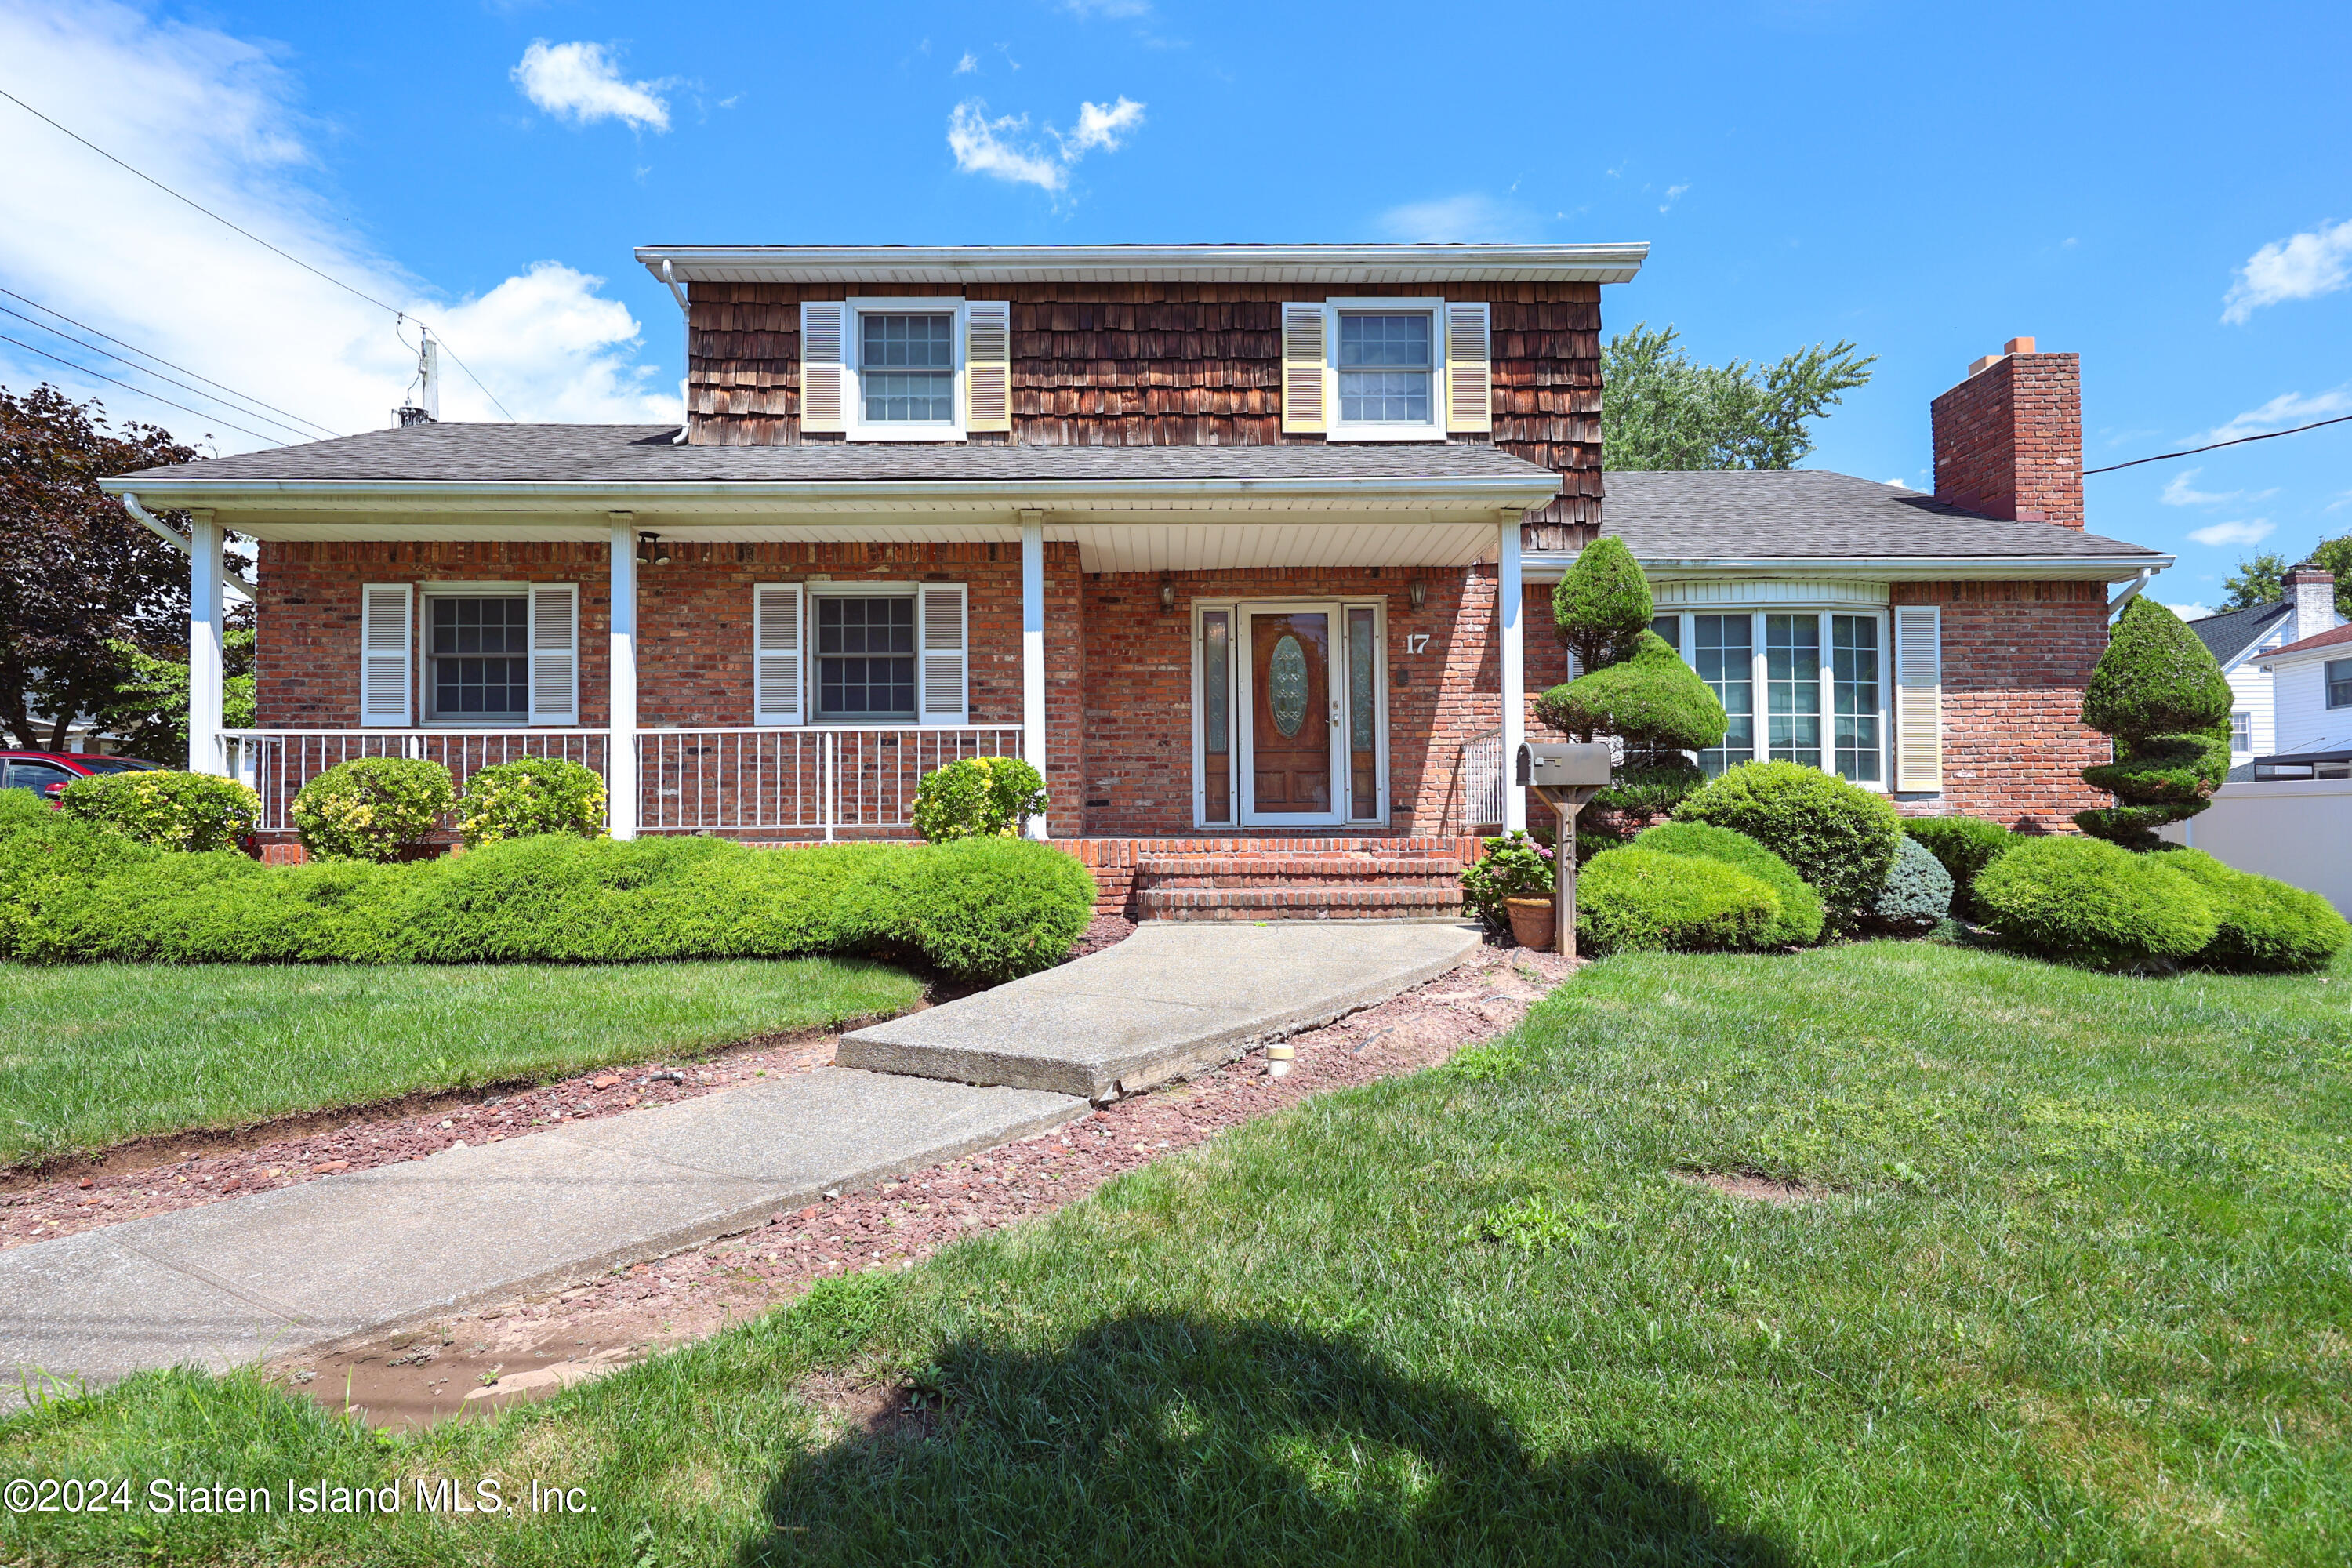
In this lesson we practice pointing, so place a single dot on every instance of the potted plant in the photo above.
(1512, 884)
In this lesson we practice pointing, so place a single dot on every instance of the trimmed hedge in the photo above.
(2263, 923)
(371, 808)
(1916, 897)
(70, 893)
(1802, 914)
(528, 796)
(1634, 899)
(167, 809)
(1965, 846)
(2084, 899)
(1653, 701)
(1841, 838)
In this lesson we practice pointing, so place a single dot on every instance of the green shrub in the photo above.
(1632, 899)
(2159, 692)
(1801, 915)
(987, 909)
(1917, 896)
(1602, 604)
(24, 808)
(531, 797)
(1841, 838)
(2086, 899)
(1653, 701)
(1965, 846)
(1514, 866)
(980, 797)
(169, 810)
(2263, 923)
(371, 808)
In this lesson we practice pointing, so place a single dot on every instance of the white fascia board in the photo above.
(1612, 263)
(1551, 565)
(2326, 651)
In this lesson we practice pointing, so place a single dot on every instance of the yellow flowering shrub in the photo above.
(372, 807)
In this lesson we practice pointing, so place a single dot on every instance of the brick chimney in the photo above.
(2313, 593)
(2009, 439)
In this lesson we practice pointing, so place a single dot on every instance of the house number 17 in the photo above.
(1416, 642)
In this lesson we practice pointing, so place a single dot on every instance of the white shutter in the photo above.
(1469, 368)
(777, 690)
(555, 653)
(988, 365)
(1304, 397)
(941, 689)
(825, 326)
(1918, 698)
(386, 619)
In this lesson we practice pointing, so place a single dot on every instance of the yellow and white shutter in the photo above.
(824, 378)
(988, 365)
(942, 672)
(1469, 367)
(387, 617)
(1306, 368)
(779, 695)
(1918, 698)
(555, 653)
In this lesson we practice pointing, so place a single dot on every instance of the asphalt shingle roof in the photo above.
(2232, 632)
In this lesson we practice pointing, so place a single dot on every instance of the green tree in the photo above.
(149, 712)
(1662, 410)
(2158, 691)
(2255, 582)
(2336, 555)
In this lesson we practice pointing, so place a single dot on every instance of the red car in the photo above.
(46, 774)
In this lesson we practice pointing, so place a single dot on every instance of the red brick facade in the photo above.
(2009, 439)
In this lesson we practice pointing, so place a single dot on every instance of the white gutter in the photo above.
(154, 525)
(2128, 595)
(1551, 565)
(1609, 263)
(685, 426)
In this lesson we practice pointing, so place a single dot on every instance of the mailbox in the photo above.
(1581, 766)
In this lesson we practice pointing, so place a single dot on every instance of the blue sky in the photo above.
(2166, 190)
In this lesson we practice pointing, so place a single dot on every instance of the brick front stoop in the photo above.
(1320, 885)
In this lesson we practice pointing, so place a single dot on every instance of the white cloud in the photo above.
(2183, 491)
(210, 114)
(581, 83)
(1002, 149)
(2192, 611)
(2253, 530)
(2300, 266)
(971, 62)
(1461, 220)
(2287, 408)
(1673, 194)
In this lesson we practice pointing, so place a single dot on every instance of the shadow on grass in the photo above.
(1160, 1439)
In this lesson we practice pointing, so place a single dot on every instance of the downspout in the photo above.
(154, 525)
(2116, 604)
(670, 278)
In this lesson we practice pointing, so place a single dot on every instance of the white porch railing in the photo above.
(1482, 781)
(817, 779)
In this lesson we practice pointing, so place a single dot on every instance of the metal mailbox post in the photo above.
(1566, 776)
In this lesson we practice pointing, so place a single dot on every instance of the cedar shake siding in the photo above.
(1160, 364)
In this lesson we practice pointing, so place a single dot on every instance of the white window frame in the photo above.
(852, 368)
(1238, 697)
(812, 661)
(1757, 657)
(421, 632)
(1338, 429)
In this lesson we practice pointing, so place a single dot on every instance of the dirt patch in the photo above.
(617, 1317)
(865, 1410)
(1104, 931)
(1751, 1186)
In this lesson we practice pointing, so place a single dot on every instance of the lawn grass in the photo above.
(2076, 1291)
(94, 1054)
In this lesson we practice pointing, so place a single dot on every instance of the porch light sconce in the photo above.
(1166, 596)
(651, 551)
(1417, 593)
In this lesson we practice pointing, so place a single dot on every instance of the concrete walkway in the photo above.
(352, 1256)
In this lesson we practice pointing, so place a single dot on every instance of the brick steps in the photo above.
(1332, 885)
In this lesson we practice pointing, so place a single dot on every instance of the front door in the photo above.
(1291, 717)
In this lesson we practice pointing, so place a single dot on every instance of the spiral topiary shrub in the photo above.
(1802, 914)
(1964, 846)
(980, 797)
(1634, 899)
(1652, 701)
(531, 797)
(1841, 838)
(2261, 923)
(1602, 604)
(1917, 896)
(371, 808)
(2159, 692)
(194, 812)
(2086, 899)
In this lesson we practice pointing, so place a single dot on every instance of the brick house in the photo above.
(1240, 544)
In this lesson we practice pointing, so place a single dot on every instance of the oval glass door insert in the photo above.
(1285, 685)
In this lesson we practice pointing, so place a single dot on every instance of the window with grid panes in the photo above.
(480, 652)
(907, 367)
(865, 657)
(1385, 367)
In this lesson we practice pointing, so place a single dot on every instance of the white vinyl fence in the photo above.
(2297, 830)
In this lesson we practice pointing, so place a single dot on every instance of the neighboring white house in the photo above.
(2242, 641)
(2311, 680)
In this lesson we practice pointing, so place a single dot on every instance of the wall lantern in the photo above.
(1417, 591)
(651, 551)
(1167, 595)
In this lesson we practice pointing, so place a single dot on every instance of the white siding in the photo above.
(2304, 717)
(2253, 685)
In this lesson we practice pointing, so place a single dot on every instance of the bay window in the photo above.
(1797, 685)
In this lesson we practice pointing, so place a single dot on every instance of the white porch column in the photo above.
(1032, 650)
(621, 748)
(205, 751)
(1508, 598)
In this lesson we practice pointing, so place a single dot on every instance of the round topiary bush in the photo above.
(371, 808)
(1964, 846)
(1633, 900)
(2159, 692)
(1653, 701)
(2084, 899)
(531, 797)
(1840, 837)
(980, 797)
(196, 812)
(2261, 923)
(1917, 896)
(1602, 604)
(1801, 915)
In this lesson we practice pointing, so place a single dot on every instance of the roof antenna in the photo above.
(424, 408)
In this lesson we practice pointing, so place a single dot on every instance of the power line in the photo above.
(2192, 451)
(141, 391)
(191, 201)
(159, 358)
(298, 434)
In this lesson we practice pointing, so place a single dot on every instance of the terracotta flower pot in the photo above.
(1531, 921)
